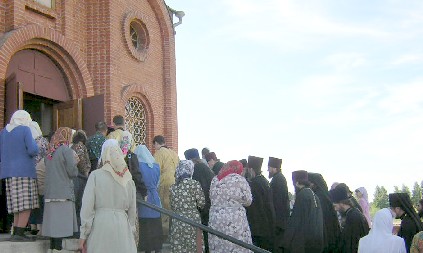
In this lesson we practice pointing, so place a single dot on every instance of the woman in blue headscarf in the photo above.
(151, 232)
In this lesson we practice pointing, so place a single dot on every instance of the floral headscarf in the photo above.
(19, 118)
(185, 169)
(232, 167)
(114, 162)
(62, 136)
(144, 155)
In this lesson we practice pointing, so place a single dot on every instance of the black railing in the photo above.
(204, 228)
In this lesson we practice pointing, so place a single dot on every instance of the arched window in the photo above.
(136, 120)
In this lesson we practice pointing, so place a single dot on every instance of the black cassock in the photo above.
(331, 228)
(204, 175)
(407, 230)
(304, 233)
(279, 189)
(260, 213)
(356, 227)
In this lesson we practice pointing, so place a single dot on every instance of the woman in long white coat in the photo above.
(108, 210)
(229, 194)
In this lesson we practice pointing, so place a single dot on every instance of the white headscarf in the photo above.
(19, 118)
(380, 238)
(35, 129)
(107, 143)
(144, 155)
(114, 163)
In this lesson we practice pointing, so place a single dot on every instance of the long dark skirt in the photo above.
(79, 184)
(151, 234)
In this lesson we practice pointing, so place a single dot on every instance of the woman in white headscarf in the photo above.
(17, 151)
(108, 210)
(380, 238)
(363, 200)
(150, 224)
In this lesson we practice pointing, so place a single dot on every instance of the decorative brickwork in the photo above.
(88, 41)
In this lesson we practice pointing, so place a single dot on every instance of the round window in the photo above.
(139, 35)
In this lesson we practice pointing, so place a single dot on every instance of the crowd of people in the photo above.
(92, 188)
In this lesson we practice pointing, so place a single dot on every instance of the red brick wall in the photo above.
(94, 30)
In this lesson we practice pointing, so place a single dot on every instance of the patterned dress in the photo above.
(94, 144)
(42, 144)
(185, 198)
(227, 213)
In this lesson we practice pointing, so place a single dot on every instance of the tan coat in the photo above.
(108, 214)
(167, 160)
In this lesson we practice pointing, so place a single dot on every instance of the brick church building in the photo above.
(73, 63)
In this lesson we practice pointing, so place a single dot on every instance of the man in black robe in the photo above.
(204, 175)
(280, 197)
(260, 213)
(356, 225)
(331, 228)
(304, 233)
(401, 205)
(214, 164)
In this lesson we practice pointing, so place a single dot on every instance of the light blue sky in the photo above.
(334, 87)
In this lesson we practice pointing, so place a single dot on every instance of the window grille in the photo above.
(135, 120)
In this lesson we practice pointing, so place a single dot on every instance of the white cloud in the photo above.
(408, 59)
(345, 61)
(290, 23)
(403, 98)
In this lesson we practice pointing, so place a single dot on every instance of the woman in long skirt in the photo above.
(150, 225)
(17, 151)
(108, 210)
(186, 196)
(59, 208)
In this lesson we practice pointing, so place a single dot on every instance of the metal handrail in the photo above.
(204, 228)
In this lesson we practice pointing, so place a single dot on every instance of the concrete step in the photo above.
(42, 246)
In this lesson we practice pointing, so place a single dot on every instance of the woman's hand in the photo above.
(82, 245)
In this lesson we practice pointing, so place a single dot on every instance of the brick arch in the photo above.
(138, 91)
(169, 71)
(64, 53)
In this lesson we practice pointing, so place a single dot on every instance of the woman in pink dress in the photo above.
(363, 200)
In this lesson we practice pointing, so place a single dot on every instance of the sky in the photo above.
(334, 87)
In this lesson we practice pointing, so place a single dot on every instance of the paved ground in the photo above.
(39, 246)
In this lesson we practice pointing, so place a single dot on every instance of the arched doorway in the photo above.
(36, 84)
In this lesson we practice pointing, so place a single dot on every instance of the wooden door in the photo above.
(92, 112)
(14, 97)
(68, 114)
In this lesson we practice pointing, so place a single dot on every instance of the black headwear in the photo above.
(255, 163)
(244, 163)
(343, 185)
(299, 176)
(275, 162)
(318, 181)
(338, 194)
(191, 154)
(403, 200)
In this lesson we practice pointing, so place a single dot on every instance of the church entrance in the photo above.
(35, 83)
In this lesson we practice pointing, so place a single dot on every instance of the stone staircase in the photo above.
(42, 246)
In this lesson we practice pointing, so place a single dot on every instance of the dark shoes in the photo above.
(19, 235)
